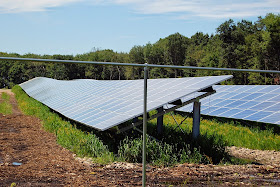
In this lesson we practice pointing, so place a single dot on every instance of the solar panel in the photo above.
(103, 104)
(259, 103)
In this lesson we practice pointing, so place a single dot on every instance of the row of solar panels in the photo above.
(103, 104)
(248, 102)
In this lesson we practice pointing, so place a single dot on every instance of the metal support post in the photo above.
(196, 119)
(144, 127)
(160, 121)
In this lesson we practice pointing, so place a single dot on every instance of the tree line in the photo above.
(242, 45)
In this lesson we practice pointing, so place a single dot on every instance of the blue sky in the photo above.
(79, 26)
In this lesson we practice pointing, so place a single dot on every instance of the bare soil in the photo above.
(30, 156)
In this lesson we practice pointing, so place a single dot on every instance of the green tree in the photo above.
(272, 26)
(176, 49)
(136, 55)
(195, 52)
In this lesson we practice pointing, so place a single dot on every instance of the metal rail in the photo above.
(138, 65)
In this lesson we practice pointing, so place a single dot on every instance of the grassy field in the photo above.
(5, 106)
(233, 133)
(174, 145)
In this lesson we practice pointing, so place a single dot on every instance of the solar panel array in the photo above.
(259, 103)
(103, 104)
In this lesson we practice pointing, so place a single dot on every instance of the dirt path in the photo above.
(263, 157)
(8, 91)
(42, 162)
(13, 101)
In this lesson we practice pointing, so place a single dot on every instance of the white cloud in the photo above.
(14, 6)
(204, 8)
(182, 9)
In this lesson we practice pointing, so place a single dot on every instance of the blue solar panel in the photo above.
(249, 102)
(275, 107)
(218, 111)
(257, 116)
(104, 104)
(240, 96)
(252, 96)
(262, 106)
(243, 114)
(274, 118)
(230, 112)
(235, 104)
(276, 98)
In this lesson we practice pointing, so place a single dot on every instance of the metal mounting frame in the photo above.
(167, 111)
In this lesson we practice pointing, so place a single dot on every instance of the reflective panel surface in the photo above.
(249, 102)
(102, 104)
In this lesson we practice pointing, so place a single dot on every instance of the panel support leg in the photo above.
(196, 119)
(160, 121)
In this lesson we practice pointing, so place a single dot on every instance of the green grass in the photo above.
(5, 106)
(5, 96)
(172, 147)
(232, 133)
